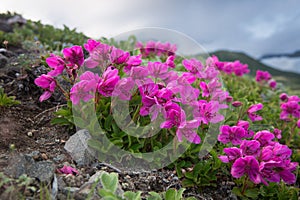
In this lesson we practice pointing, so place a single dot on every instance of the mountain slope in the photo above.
(290, 79)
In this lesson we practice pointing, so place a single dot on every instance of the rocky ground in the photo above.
(30, 145)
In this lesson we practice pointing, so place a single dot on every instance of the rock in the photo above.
(7, 25)
(78, 148)
(24, 164)
(17, 19)
(59, 158)
(3, 61)
(7, 53)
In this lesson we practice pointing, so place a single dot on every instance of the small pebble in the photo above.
(44, 156)
(30, 134)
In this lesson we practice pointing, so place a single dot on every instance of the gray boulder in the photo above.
(77, 147)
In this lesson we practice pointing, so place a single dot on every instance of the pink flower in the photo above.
(107, 83)
(81, 91)
(283, 97)
(118, 56)
(194, 66)
(172, 115)
(90, 45)
(246, 165)
(56, 63)
(132, 61)
(99, 56)
(250, 147)
(68, 170)
(264, 137)
(123, 88)
(294, 98)
(233, 153)
(240, 69)
(158, 70)
(74, 55)
(213, 61)
(251, 112)
(298, 123)
(245, 126)
(210, 88)
(266, 169)
(189, 95)
(231, 134)
(272, 84)
(188, 130)
(48, 83)
(208, 112)
(262, 76)
(289, 108)
(170, 61)
(277, 133)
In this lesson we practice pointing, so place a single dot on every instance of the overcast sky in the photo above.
(255, 27)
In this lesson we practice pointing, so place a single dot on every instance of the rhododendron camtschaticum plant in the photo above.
(161, 89)
(185, 101)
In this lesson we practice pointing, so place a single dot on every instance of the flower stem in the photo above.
(292, 133)
(245, 185)
(65, 93)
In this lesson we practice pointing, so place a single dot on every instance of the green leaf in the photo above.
(170, 194)
(107, 194)
(132, 195)
(188, 183)
(180, 193)
(251, 193)
(154, 196)
(110, 181)
(237, 191)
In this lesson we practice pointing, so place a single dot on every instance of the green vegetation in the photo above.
(290, 79)
(51, 38)
(6, 101)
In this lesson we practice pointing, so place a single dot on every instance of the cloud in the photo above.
(255, 27)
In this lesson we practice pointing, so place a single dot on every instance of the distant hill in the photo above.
(290, 55)
(292, 80)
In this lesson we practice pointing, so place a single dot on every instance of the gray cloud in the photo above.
(255, 27)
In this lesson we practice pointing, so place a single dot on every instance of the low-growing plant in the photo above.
(183, 97)
(7, 101)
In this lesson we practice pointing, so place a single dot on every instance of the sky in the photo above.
(255, 27)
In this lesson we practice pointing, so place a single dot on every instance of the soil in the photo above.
(26, 128)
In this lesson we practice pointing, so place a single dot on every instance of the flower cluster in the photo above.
(152, 48)
(259, 157)
(290, 107)
(264, 77)
(71, 62)
(236, 67)
(162, 89)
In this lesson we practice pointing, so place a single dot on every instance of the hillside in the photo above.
(290, 79)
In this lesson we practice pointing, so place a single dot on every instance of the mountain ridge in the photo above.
(291, 79)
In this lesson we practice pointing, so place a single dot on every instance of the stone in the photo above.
(7, 53)
(77, 147)
(25, 164)
(59, 158)
(3, 61)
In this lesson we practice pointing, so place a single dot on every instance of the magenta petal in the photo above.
(68, 170)
(46, 95)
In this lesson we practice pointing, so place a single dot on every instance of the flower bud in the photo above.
(229, 99)
(272, 84)
(298, 123)
(237, 104)
(283, 96)
(277, 133)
